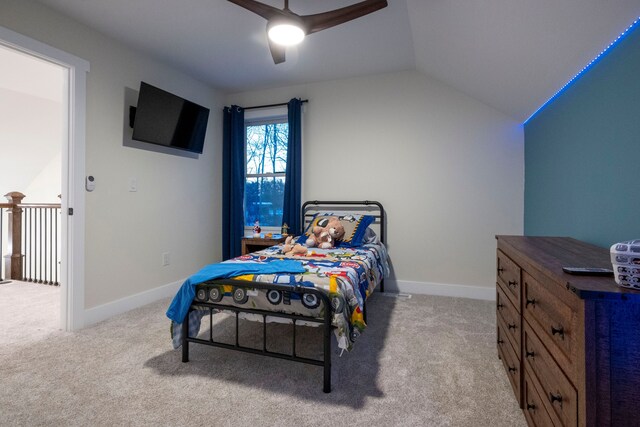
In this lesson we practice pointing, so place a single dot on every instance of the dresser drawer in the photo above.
(555, 322)
(510, 318)
(508, 274)
(534, 410)
(556, 391)
(511, 363)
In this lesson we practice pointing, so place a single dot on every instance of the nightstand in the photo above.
(253, 244)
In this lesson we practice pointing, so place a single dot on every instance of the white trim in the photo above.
(73, 169)
(110, 309)
(274, 113)
(441, 289)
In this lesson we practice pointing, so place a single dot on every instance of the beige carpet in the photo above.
(28, 312)
(425, 361)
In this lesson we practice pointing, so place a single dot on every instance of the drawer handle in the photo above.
(530, 302)
(555, 398)
(531, 407)
(513, 283)
(557, 331)
(530, 354)
(500, 306)
(500, 270)
(513, 370)
(500, 341)
(511, 326)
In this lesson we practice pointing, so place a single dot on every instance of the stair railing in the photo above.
(33, 240)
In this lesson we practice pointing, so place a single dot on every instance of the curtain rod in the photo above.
(272, 105)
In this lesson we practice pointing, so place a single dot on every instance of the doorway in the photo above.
(72, 167)
(33, 109)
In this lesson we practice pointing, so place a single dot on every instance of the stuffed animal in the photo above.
(291, 248)
(325, 233)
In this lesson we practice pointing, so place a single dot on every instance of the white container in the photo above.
(625, 258)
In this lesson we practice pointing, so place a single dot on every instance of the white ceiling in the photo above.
(510, 54)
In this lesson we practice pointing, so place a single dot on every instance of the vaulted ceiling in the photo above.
(510, 54)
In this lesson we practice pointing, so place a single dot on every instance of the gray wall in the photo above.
(447, 168)
(177, 206)
(582, 152)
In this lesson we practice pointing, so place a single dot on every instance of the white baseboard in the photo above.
(108, 310)
(441, 289)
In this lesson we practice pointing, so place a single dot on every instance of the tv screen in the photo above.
(166, 119)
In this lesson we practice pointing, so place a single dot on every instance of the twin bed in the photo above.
(326, 287)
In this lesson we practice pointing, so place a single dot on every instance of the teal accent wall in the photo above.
(582, 154)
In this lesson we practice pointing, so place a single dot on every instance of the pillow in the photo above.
(355, 227)
(370, 237)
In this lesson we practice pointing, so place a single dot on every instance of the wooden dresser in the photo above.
(570, 344)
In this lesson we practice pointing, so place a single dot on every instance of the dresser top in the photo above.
(549, 254)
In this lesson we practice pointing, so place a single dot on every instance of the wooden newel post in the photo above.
(13, 260)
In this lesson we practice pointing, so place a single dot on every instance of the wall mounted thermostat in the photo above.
(90, 183)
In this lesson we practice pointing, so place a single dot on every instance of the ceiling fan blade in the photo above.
(322, 21)
(264, 10)
(277, 52)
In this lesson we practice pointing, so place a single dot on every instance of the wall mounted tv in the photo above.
(166, 119)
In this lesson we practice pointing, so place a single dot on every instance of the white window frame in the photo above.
(262, 117)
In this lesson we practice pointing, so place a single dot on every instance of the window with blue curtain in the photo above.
(261, 173)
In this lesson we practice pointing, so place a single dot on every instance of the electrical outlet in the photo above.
(133, 185)
(166, 259)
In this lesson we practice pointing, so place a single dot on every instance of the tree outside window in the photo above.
(266, 167)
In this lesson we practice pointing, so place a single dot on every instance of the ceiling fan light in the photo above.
(286, 34)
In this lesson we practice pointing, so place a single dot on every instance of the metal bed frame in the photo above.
(242, 285)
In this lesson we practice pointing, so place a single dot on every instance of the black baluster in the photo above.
(56, 249)
(50, 247)
(46, 246)
(40, 257)
(30, 253)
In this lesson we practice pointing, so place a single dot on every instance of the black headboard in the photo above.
(365, 207)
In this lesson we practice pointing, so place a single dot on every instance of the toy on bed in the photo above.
(326, 233)
(292, 248)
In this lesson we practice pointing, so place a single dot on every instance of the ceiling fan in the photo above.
(285, 28)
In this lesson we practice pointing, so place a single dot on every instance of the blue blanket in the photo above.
(179, 307)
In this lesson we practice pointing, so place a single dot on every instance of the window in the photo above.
(266, 164)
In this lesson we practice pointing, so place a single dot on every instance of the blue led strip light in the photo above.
(588, 66)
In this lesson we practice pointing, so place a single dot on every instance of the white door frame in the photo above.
(73, 170)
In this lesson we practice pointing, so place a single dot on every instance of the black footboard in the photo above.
(242, 284)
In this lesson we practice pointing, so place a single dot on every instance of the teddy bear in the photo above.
(325, 233)
(291, 248)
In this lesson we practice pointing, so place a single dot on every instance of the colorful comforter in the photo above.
(347, 275)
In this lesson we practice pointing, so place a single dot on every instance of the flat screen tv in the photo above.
(166, 119)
